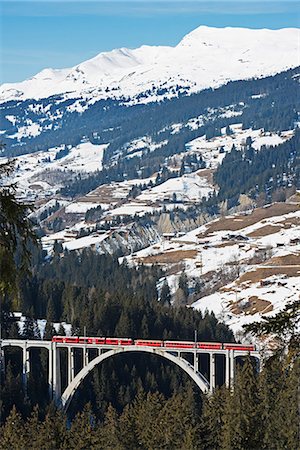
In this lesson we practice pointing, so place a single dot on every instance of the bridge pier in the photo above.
(227, 370)
(56, 374)
(212, 373)
(232, 368)
(196, 362)
(71, 364)
(25, 367)
(85, 357)
(50, 371)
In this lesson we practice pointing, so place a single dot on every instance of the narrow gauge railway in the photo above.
(152, 343)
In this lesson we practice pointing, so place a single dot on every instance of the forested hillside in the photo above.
(260, 172)
(207, 105)
(137, 402)
(261, 413)
(110, 121)
(108, 299)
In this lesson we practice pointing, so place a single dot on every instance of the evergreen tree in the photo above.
(247, 390)
(82, 433)
(61, 330)
(50, 310)
(284, 325)
(53, 431)
(15, 234)
(36, 330)
(49, 331)
(11, 391)
(290, 406)
(29, 328)
(57, 248)
(12, 433)
(127, 429)
(183, 284)
(33, 429)
(110, 432)
(148, 428)
(14, 331)
(212, 419)
(228, 130)
(165, 295)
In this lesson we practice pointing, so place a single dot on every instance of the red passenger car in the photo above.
(111, 341)
(209, 345)
(92, 340)
(149, 343)
(99, 340)
(126, 341)
(84, 340)
(179, 344)
(118, 341)
(242, 347)
(66, 339)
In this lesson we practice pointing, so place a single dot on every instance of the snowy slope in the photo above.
(191, 187)
(250, 261)
(206, 57)
(210, 148)
(31, 170)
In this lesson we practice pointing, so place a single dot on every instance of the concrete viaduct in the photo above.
(103, 352)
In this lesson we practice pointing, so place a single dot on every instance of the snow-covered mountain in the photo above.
(206, 57)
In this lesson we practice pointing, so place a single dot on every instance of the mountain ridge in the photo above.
(205, 57)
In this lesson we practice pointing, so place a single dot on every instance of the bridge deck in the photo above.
(49, 344)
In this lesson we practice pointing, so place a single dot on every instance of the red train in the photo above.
(152, 343)
(92, 340)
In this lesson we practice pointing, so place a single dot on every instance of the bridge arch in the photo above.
(70, 390)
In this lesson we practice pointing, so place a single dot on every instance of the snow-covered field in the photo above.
(32, 169)
(190, 187)
(86, 157)
(177, 192)
(279, 291)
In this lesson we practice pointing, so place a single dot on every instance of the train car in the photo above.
(58, 338)
(125, 341)
(84, 340)
(209, 345)
(91, 340)
(99, 340)
(179, 344)
(242, 347)
(112, 341)
(148, 343)
(118, 341)
(66, 339)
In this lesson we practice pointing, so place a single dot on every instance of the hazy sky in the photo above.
(62, 33)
